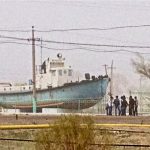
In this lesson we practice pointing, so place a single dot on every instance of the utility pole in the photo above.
(33, 72)
(111, 81)
(140, 94)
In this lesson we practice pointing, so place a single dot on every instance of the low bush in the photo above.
(71, 132)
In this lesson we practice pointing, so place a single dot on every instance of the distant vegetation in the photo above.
(68, 134)
(142, 65)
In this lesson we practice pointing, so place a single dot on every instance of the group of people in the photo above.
(120, 106)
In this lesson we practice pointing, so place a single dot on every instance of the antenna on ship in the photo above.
(41, 51)
(33, 72)
(111, 77)
(105, 69)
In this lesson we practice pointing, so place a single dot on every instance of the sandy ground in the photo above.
(120, 135)
(42, 119)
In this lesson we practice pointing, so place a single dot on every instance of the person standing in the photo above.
(135, 106)
(120, 107)
(131, 106)
(124, 105)
(109, 106)
(117, 106)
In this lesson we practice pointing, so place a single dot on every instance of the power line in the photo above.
(100, 29)
(14, 38)
(78, 29)
(93, 50)
(9, 42)
(96, 45)
(114, 51)
(79, 44)
(19, 43)
(105, 38)
(3, 30)
(74, 43)
(77, 48)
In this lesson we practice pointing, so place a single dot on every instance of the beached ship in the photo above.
(56, 87)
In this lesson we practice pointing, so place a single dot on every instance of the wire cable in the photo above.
(19, 43)
(97, 29)
(3, 30)
(76, 48)
(78, 29)
(97, 45)
(14, 38)
(94, 50)
(74, 43)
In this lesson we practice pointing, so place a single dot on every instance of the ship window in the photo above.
(65, 71)
(24, 88)
(53, 72)
(69, 72)
(60, 72)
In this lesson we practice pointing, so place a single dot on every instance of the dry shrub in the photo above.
(68, 134)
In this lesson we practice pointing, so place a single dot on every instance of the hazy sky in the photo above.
(15, 60)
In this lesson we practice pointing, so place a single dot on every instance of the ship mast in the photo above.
(41, 51)
(33, 72)
(111, 81)
(105, 69)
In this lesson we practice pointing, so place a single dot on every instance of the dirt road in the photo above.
(41, 119)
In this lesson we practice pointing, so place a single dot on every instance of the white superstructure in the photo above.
(52, 73)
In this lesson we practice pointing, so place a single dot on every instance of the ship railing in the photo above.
(5, 84)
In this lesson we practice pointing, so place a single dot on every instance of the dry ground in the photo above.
(120, 135)
(41, 119)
